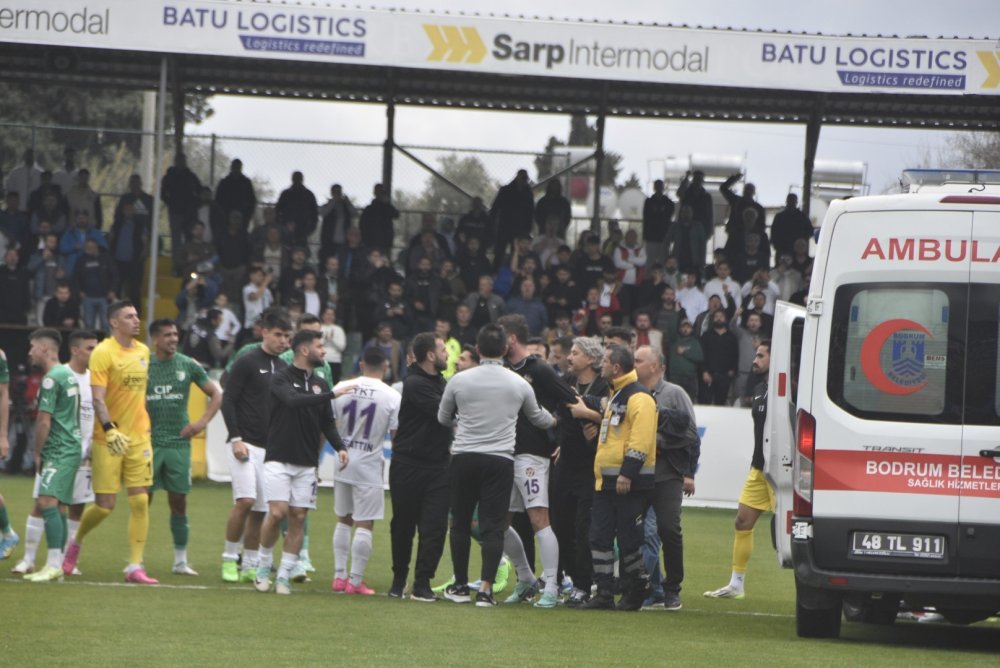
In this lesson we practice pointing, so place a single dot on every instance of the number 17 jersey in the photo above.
(364, 417)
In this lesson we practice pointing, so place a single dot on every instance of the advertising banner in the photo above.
(640, 53)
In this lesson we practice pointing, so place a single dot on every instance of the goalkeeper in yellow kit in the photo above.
(123, 451)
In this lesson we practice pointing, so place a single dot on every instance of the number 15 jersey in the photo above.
(364, 417)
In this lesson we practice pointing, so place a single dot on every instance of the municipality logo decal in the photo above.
(455, 44)
(907, 365)
(991, 63)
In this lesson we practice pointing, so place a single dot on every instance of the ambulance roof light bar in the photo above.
(915, 180)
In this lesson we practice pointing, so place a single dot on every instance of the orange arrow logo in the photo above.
(455, 44)
(990, 61)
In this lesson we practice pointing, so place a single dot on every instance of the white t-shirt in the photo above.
(253, 309)
(86, 411)
(229, 328)
(364, 417)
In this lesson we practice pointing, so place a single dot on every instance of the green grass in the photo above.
(94, 620)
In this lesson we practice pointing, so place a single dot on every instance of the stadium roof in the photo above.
(396, 62)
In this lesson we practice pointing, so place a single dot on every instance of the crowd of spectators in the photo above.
(342, 264)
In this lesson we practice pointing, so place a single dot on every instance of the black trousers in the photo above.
(666, 502)
(485, 480)
(571, 501)
(419, 503)
(718, 392)
(618, 516)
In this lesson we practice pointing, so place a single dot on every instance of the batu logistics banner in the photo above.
(508, 46)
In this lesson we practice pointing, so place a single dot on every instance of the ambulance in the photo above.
(883, 431)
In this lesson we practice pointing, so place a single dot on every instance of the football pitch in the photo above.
(97, 620)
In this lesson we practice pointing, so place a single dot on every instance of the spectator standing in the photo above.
(485, 307)
(180, 190)
(686, 357)
(474, 223)
(297, 210)
(690, 296)
(257, 298)
(233, 250)
(788, 225)
(24, 179)
(511, 214)
(422, 292)
(591, 266)
(465, 332)
(14, 223)
(645, 333)
(235, 192)
(338, 215)
(196, 249)
(630, 261)
(46, 267)
(72, 242)
(141, 201)
(62, 310)
(229, 328)
(81, 197)
(452, 290)
(692, 194)
(721, 360)
(748, 337)
(688, 241)
(211, 215)
(739, 224)
(15, 295)
(723, 284)
(129, 241)
(657, 212)
(393, 350)
(553, 206)
(473, 263)
(530, 306)
(65, 176)
(334, 342)
(377, 227)
(786, 277)
(51, 213)
(355, 307)
(756, 256)
(94, 276)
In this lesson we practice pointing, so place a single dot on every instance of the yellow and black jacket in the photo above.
(627, 445)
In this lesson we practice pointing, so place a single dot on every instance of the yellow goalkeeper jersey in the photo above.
(124, 372)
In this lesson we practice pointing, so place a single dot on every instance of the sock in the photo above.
(548, 548)
(341, 548)
(265, 558)
(361, 550)
(92, 516)
(64, 522)
(53, 532)
(33, 538)
(179, 530)
(288, 561)
(514, 548)
(72, 526)
(138, 528)
(742, 549)
(231, 552)
(55, 558)
(304, 552)
(4, 520)
(180, 555)
(252, 558)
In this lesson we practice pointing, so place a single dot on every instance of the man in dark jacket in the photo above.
(739, 224)
(418, 473)
(15, 298)
(235, 192)
(338, 216)
(553, 205)
(722, 356)
(297, 209)
(180, 190)
(657, 212)
(512, 213)
(376, 221)
(128, 243)
(141, 201)
(788, 225)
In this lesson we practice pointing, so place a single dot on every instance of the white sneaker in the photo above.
(282, 587)
(182, 568)
(23, 568)
(726, 592)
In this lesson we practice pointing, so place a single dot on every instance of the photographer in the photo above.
(198, 294)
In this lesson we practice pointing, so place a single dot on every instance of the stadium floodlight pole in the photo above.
(154, 236)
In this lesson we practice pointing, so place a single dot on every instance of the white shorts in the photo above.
(362, 502)
(83, 485)
(531, 483)
(295, 485)
(248, 477)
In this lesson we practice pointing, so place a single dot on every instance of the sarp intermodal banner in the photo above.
(511, 46)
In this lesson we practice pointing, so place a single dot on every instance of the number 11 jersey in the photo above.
(364, 417)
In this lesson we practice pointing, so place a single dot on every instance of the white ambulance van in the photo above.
(883, 434)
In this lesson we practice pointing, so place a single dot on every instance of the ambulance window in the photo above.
(896, 351)
(982, 377)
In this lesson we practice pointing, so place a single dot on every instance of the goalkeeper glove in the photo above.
(117, 441)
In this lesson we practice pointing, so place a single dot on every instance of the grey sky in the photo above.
(774, 153)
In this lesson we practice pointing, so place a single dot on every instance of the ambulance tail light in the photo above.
(804, 457)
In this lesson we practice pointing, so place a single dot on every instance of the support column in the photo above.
(178, 106)
(812, 142)
(595, 221)
(389, 146)
(154, 236)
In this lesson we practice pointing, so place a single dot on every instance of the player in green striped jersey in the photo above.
(57, 436)
(171, 375)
